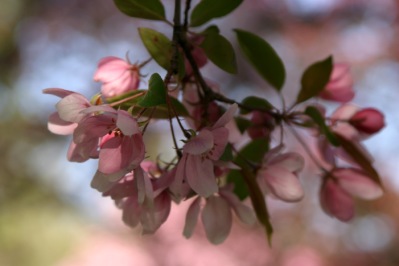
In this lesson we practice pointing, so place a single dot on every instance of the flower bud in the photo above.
(368, 120)
(340, 86)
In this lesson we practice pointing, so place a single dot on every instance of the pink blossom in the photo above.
(340, 186)
(278, 175)
(216, 216)
(340, 85)
(117, 135)
(140, 201)
(117, 76)
(199, 155)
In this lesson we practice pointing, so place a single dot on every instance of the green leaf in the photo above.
(213, 29)
(258, 200)
(147, 9)
(210, 9)
(242, 124)
(156, 94)
(220, 51)
(227, 155)
(263, 57)
(253, 151)
(162, 111)
(363, 161)
(160, 48)
(158, 45)
(318, 118)
(240, 187)
(255, 102)
(314, 79)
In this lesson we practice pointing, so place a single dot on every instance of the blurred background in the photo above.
(50, 216)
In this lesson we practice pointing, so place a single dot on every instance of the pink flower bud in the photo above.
(340, 85)
(117, 76)
(262, 125)
(198, 54)
(368, 120)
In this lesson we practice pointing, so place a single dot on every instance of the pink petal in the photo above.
(93, 127)
(144, 187)
(83, 151)
(243, 212)
(131, 212)
(340, 85)
(291, 161)
(199, 144)
(128, 81)
(58, 126)
(110, 68)
(220, 138)
(282, 183)
(58, 92)
(152, 218)
(217, 219)
(103, 182)
(115, 155)
(179, 189)
(192, 217)
(126, 123)
(200, 176)
(226, 117)
(326, 151)
(357, 183)
(344, 112)
(336, 202)
(70, 107)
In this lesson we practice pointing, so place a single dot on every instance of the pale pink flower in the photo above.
(117, 76)
(340, 186)
(118, 137)
(141, 200)
(278, 175)
(216, 216)
(200, 153)
(340, 85)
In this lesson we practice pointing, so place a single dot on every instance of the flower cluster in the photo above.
(209, 168)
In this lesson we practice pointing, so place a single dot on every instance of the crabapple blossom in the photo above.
(338, 188)
(200, 153)
(278, 175)
(141, 200)
(118, 137)
(216, 215)
(117, 76)
(340, 85)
